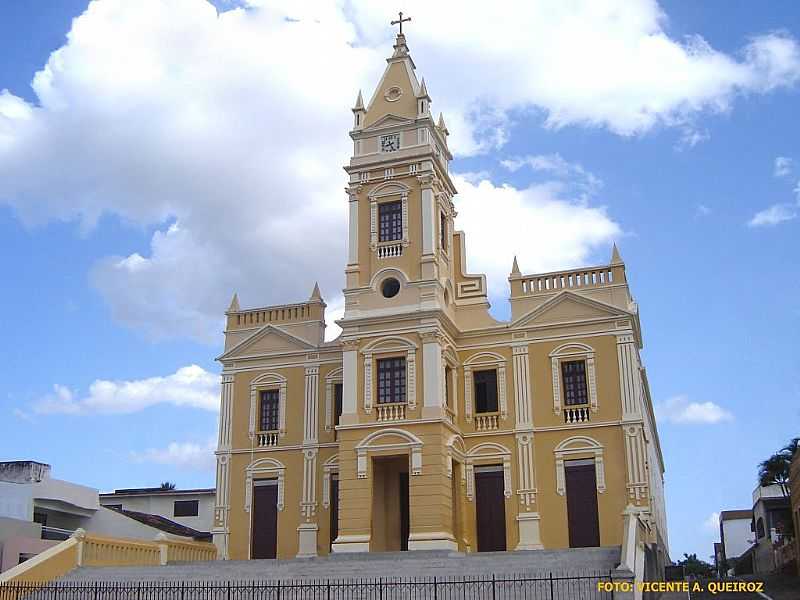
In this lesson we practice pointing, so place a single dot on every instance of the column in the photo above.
(220, 531)
(629, 377)
(432, 373)
(307, 531)
(349, 383)
(428, 214)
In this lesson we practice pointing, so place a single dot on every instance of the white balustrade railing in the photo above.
(390, 250)
(564, 280)
(487, 422)
(576, 414)
(391, 412)
(267, 439)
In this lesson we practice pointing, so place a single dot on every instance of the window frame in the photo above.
(262, 396)
(572, 382)
(186, 503)
(568, 352)
(393, 211)
(397, 376)
(495, 375)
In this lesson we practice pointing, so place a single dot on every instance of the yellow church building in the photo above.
(428, 424)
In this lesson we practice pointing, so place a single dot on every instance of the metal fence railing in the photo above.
(498, 587)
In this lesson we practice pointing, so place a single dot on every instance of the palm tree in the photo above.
(791, 448)
(775, 470)
(167, 485)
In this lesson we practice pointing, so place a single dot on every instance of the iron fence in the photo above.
(498, 587)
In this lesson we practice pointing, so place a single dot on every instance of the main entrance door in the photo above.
(390, 504)
(490, 508)
(265, 519)
(584, 524)
(334, 508)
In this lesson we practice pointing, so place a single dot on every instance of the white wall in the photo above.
(737, 533)
(163, 505)
(16, 501)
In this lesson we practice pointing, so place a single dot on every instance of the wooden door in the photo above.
(334, 509)
(265, 519)
(490, 508)
(584, 524)
(404, 511)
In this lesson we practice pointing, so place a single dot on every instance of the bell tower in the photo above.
(400, 246)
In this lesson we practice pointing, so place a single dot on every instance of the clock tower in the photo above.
(400, 247)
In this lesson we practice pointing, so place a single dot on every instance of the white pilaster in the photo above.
(311, 412)
(428, 215)
(352, 242)
(432, 375)
(522, 387)
(629, 377)
(349, 384)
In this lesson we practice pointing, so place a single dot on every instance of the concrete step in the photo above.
(571, 561)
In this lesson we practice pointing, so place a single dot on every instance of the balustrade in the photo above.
(488, 422)
(391, 412)
(267, 439)
(564, 280)
(576, 414)
(390, 250)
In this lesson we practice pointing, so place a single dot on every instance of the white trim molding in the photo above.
(268, 381)
(576, 447)
(488, 453)
(573, 351)
(381, 193)
(527, 470)
(385, 346)
(267, 468)
(329, 468)
(331, 379)
(479, 362)
(371, 443)
(308, 504)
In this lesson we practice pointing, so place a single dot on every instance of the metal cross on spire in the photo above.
(400, 22)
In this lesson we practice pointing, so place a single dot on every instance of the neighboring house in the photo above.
(191, 508)
(37, 511)
(772, 520)
(794, 486)
(428, 424)
(735, 535)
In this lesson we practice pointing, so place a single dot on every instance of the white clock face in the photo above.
(390, 143)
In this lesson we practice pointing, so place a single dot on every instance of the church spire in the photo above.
(616, 259)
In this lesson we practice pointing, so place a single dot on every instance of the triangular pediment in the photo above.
(266, 340)
(389, 120)
(568, 307)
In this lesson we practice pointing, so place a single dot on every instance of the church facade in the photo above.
(428, 424)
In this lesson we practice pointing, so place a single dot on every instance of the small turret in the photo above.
(359, 112)
(423, 100)
(442, 127)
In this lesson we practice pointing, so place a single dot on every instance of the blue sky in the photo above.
(144, 180)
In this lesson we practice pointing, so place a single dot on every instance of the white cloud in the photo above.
(712, 522)
(540, 224)
(190, 386)
(224, 133)
(702, 210)
(783, 166)
(691, 136)
(556, 166)
(183, 455)
(681, 411)
(774, 215)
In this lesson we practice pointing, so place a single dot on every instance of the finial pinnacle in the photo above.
(315, 294)
(515, 268)
(234, 306)
(616, 259)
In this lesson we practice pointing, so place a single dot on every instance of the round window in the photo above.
(390, 287)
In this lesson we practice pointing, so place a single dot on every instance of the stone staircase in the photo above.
(573, 561)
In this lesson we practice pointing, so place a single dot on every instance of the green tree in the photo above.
(167, 485)
(696, 567)
(775, 471)
(791, 448)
